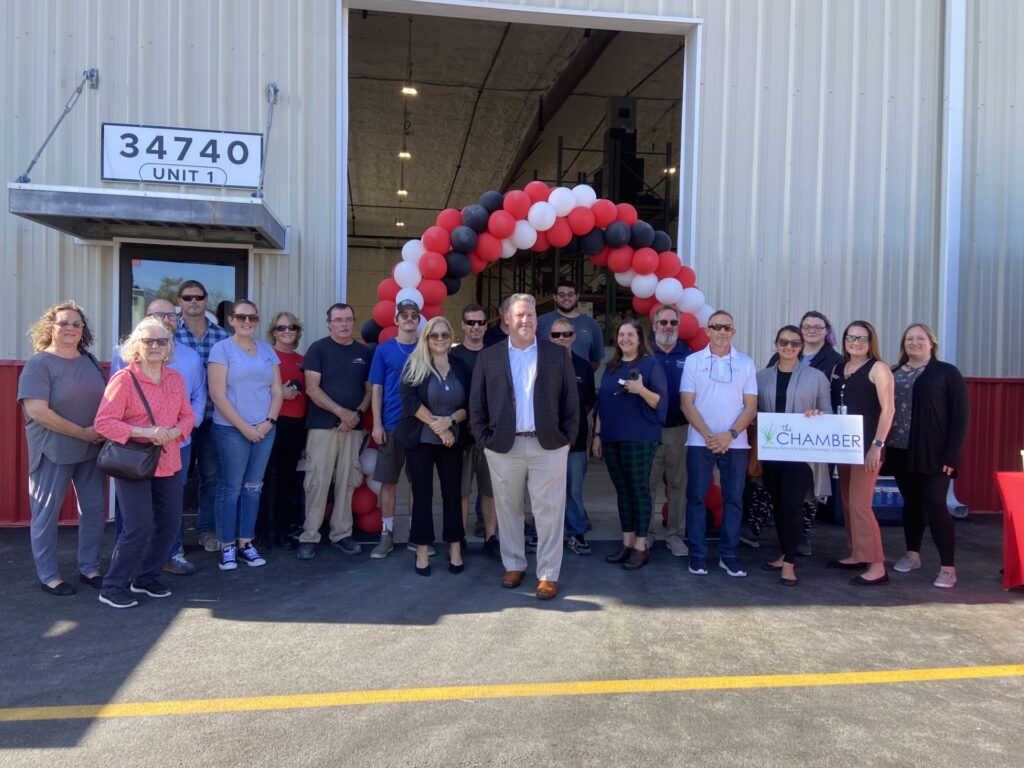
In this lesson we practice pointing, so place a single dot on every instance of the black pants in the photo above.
(924, 498)
(420, 463)
(151, 511)
(788, 482)
(281, 499)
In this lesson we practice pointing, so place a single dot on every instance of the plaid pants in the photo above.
(629, 466)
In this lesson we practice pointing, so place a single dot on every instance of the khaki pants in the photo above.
(330, 454)
(669, 468)
(862, 533)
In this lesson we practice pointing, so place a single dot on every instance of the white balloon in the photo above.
(584, 194)
(524, 235)
(562, 200)
(644, 286)
(541, 217)
(704, 314)
(625, 279)
(669, 290)
(407, 274)
(412, 250)
(410, 293)
(692, 300)
(508, 248)
(368, 460)
(373, 485)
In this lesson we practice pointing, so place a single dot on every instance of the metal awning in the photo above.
(103, 214)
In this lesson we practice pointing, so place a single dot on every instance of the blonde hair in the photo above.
(130, 345)
(292, 319)
(904, 357)
(41, 332)
(420, 363)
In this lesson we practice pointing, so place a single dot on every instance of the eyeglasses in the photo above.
(856, 339)
(69, 324)
(472, 323)
(286, 328)
(562, 334)
(721, 327)
(340, 320)
(439, 336)
(565, 294)
(817, 328)
(153, 342)
(408, 316)
(163, 315)
(246, 318)
(794, 343)
(193, 296)
(668, 322)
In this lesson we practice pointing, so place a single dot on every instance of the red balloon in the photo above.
(645, 261)
(688, 326)
(433, 292)
(699, 340)
(476, 264)
(664, 513)
(517, 203)
(687, 277)
(431, 311)
(542, 243)
(644, 306)
(488, 247)
(560, 234)
(604, 212)
(668, 265)
(368, 422)
(713, 502)
(601, 259)
(371, 522)
(538, 191)
(581, 220)
(620, 259)
(502, 224)
(449, 218)
(388, 332)
(384, 313)
(388, 288)
(626, 213)
(437, 239)
(432, 266)
(363, 500)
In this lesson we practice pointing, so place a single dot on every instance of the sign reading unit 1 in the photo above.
(795, 437)
(153, 154)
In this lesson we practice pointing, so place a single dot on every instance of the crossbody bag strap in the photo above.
(145, 402)
(99, 367)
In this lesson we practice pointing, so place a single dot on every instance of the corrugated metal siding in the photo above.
(995, 439)
(992, 238)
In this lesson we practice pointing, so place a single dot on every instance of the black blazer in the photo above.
(492, 405)
(940, 412)
(407, 431)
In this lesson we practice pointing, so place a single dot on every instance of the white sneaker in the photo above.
(907, 563)
(209, 541)
(945, 579)
(677, 546)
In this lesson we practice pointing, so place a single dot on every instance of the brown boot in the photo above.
(637, 559)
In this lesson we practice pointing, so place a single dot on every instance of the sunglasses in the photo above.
(812, 328)
(154, 342)
(163, 315)
(668, 322)
(246, 318)
(562, 334)
(69, 324)
(408, 316)
(794, 343)
(285, 328)
(439, 336)
(721, 327)
(856, 339)
(471, 323)
(193, 297)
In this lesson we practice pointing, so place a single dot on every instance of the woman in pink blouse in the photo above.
(151, 508)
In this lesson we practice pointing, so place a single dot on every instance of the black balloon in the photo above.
(662, 242)
(573, 247)
(617, 234)
(641, 234)
(475, 217)
(458, 265)
(370, 331)
(492, 201)
(593, 242)
(463, 239)
(452, 284)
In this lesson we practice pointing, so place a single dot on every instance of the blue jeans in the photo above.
(575, 514)
(732, 470)
(206, 469)
(241, 465)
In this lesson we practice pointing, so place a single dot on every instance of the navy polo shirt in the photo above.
(672, 364)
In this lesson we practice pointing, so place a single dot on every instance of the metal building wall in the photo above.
(189, 63)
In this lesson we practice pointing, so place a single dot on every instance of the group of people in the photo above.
(517, 407)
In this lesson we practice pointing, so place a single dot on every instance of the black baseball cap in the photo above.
(405, 304)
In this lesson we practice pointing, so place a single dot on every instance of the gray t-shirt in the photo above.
(73, 389)
(249, 380)
(588, 342)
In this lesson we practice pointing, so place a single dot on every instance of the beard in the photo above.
(666, 338)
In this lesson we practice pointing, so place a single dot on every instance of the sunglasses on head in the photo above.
(562, 334)
(153, 342)
(193, 296)
(721, 327)
(794, 343)
(472, 323)
(246, 318)
(285, 328)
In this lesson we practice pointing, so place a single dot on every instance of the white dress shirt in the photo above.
(523, 363)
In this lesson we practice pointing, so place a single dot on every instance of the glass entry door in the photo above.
(151, 272)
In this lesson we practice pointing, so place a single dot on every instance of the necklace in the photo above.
(407, 348)
(910, 367)
(847, 373)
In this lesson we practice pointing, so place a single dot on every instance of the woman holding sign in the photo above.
(864, 387)
(789, 387)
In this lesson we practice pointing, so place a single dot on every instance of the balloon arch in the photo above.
(535, 218)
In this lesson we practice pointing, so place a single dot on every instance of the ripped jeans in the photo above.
(241, 465)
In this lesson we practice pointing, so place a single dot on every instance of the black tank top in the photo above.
(859, 396)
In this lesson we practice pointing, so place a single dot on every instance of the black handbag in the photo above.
(133, 460)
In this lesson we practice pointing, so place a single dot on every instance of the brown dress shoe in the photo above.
(546, 589)
(637, 559)
(619, 555)
(511, 579)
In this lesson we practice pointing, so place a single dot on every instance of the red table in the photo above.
(1011, 488)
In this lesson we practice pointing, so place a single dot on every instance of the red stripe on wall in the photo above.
(995, 439)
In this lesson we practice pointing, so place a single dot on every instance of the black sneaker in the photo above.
(120, 599)
(152, 588)
(250, 556)
(578, 544)
(347, 546)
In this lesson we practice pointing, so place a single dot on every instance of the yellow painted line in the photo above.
(518, 690)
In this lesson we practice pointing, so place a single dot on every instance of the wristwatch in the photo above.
(359, 412)
(272, 421)
(734, 433)
(878, 444)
